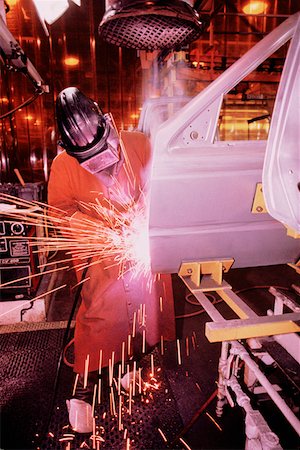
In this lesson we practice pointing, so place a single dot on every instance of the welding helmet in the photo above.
(86, 133)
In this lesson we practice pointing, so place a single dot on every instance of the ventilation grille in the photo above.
(149, 32)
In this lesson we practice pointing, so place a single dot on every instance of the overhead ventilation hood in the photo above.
(150, 25)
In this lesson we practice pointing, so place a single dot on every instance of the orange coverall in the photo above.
(109, 303)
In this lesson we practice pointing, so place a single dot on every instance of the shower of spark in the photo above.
(133, 241)
(115, 234)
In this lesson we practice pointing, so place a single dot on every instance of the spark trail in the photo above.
(112, 233)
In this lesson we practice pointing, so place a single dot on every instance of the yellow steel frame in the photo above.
(292, 233)
(204, 276)
(207, 275)
(233, 330)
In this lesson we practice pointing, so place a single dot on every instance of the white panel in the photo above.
(202, 191)
(281, 173)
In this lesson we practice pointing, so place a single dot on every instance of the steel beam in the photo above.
(232, 330)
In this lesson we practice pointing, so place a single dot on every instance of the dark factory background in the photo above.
(121, 79)
(69, 52)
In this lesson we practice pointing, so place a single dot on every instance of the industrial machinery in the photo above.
(216, 204)
(14, 58)
(143, 25)
(20, 257)
(19, 260)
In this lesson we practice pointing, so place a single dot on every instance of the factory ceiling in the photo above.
(69, 52)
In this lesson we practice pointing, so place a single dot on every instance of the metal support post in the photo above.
(221, 381)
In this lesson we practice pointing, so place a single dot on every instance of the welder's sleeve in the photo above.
(65, 187)
(60, 189)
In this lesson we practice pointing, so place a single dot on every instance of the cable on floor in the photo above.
(65, 359)
(283, 288)
(215, 301)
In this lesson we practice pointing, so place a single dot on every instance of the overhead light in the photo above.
(51, 10)
(150, 25)
(71, 61)
(255, 7)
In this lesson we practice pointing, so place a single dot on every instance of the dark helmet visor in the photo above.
(81, 124)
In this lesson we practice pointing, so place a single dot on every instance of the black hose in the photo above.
(22, 312)
(65, 340)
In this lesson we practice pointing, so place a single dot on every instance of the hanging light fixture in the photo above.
(150, 25)
(51, 10)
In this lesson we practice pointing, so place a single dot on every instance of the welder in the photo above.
(93, 161)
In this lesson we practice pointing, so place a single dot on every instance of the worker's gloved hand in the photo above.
(87, 228)
(80, 222)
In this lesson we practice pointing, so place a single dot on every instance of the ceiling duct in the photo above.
(150, 25)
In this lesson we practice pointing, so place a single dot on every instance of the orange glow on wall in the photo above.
(255, 7)
(71, 61)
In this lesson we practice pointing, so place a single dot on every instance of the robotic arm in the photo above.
(14, 58)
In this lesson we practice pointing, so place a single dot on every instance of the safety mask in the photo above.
(86, 133)
(106, 152)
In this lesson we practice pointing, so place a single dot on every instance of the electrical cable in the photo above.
(26, 103)
(68, 363)
(200, 311)
(211, 296)
(216, 301)
(64, 344)
(22, 312)
(261, 287)
(195, 417)
(55, 252)
(196, 313)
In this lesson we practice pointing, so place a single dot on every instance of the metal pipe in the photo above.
(286, 411)
(221, 382)
(258, 433)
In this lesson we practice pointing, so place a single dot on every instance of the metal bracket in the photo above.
(205, 275)
(292, 233)
(259, 205)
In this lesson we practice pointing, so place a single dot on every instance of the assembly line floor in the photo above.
(180, 414)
